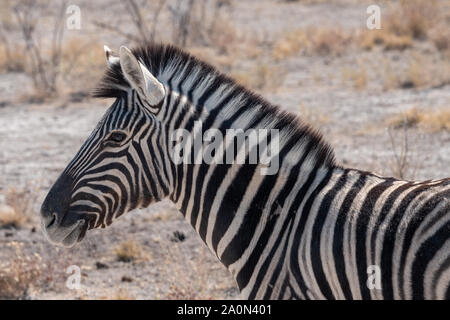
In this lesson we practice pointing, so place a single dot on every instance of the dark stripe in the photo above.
(423, 256)
(316, 234)
(389, 241)
(338, 237)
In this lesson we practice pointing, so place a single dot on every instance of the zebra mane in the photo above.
(164, 61)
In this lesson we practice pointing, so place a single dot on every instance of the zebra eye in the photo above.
(117, 137)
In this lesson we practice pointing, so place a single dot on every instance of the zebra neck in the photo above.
(233, 207)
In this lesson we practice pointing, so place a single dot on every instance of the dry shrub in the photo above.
(432, 120)
(440, 36)
(312, 41)
(405, 21)
(19, 275)
(401, 164)
(12, 55)
(409, 118)
(44, 69)
(18, 210)
(290, 43)
(82, 62)
(388, 40)
(437, 120)
(12, 59)
(49, 60)
(219, 34)
(423, 72)
(419, 71)
(412, 18)
(417, 74)
(130, 251)
(327, 41)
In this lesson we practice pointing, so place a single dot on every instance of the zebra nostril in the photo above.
(52, 221)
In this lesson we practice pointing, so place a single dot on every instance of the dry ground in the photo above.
(365, 93)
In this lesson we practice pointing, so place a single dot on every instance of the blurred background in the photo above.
(381, 97)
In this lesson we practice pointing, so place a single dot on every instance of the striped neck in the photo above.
(228, 203)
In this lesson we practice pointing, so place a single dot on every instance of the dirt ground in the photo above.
(355, 108)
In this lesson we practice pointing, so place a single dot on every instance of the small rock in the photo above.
(126, 279)
(407, 84)
(101, 265)
(7, 214)
(178, 236)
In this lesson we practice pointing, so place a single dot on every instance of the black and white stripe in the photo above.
(308, 232)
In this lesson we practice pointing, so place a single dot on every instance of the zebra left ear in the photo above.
(140, 78)
(110, 57)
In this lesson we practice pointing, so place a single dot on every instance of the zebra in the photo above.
(312, 230)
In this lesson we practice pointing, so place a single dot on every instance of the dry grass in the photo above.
(403, 22)
(432, 120)
(440, 36)
(119, 294)
(390, 41)
(123, 294)
(12, 59)
(328, 41)
(188, 278)
(18, 212)
(289, 44)
(46, 60)
(423, 72)
(416, 74)
(130, 251)
(165, 215)
(356, 75)
(222, 35)
(311, 41)
(406, 21)
(313, 117)
(82, 62)
(19, 275)
(412, 18)
(419, 71)
(261, 75)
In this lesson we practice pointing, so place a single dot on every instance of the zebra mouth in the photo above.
(67, 236)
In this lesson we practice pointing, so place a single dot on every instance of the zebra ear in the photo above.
(110, 58)
(140, 78)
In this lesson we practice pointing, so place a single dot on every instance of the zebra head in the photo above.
(121, 165)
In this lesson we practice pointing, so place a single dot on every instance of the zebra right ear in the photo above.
(140, 78)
